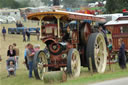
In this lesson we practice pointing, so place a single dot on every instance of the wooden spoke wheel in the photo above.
(96, 49)
(73, 63)
(40, 60)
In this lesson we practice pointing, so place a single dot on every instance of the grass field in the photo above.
(22, 74)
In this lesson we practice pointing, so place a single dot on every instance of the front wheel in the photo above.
(40, 59)
(73, 63)
(96, 50)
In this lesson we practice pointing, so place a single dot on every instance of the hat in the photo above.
(36, 46)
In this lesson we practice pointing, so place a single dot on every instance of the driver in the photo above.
(66, 36)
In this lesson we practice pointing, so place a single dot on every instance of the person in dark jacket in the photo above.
(24, 33)
(11, 52)
(28, 35)
(66, 36)
(121, 55)
(4, 32)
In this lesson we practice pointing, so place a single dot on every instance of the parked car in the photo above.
(11, 19)
(3, 20)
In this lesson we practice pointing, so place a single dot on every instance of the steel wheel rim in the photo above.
(100, 54)
(41, 61)
(75, 64)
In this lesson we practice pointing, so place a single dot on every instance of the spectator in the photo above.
(37, 33)
(121, 55)
(0, 58)
(28, 35)
(4, 32)
(17, 53)
(20, 24)
(11, 52)
(25, 57)
(24, 16)
(24, 33)
(36, 48)
(30, 55)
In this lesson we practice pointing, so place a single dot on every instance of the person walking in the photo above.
(30, 55)
(24, 35)
(121, 55)
(4, 33)
(37, 33)
(17, 54)
(28, 35)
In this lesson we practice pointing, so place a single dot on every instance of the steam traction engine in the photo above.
(70, 42)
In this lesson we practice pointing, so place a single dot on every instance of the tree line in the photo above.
(112, 6)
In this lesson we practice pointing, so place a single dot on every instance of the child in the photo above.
(37, 48)
(11, 69)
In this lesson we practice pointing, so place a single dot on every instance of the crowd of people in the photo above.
(13, 57)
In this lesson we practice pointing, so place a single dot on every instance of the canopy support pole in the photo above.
(58, 23)
(40, 28)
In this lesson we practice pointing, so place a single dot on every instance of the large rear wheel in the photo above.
(96, 49)
(40, 59)
(73, 63)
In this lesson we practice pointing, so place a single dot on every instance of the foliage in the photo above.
(46, 2)
(114, 6)
(12, 4)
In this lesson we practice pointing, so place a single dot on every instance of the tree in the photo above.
(113, 6)
(110, 6)
(46, 2)
(12, 4)
(71, 3)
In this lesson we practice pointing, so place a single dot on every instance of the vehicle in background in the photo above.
(11, 19)
(11, 12)
(19, 30)
(7, 19)
(2, 21)
(110, 17)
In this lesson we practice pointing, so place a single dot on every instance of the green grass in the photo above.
(22, 74)
(88, 78)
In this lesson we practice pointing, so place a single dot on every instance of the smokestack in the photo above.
(56, 3)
